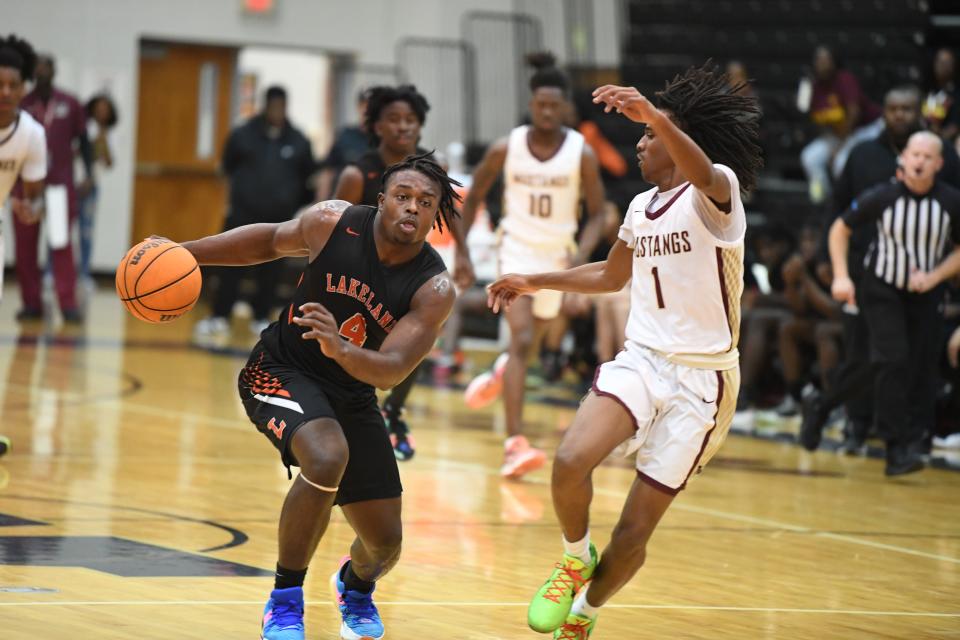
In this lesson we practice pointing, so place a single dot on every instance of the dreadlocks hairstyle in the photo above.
(426, 164)
(724, 124)
(547, 73)
(379, 97)
(17, 53)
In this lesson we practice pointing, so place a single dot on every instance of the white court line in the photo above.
(419, 603)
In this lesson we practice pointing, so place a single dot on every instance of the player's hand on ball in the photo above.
(322, 327)
(625, 100)
(502, 293)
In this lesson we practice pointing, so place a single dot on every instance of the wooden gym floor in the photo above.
(138, 502)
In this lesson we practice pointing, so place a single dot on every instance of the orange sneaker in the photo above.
(486, 387)
(519, 458)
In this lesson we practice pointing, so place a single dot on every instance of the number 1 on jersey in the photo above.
(656, 285)
(354, 329)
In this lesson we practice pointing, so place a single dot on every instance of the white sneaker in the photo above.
(213, 331)
(951, 441)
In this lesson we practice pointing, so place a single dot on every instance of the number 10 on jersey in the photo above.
(541, 205)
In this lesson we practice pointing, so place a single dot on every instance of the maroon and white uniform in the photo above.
(678, 376)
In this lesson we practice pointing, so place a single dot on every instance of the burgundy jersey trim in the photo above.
(723, 294)
(706, 438)
(653, 215)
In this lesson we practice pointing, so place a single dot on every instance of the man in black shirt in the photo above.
(871, 162)
(916, 219)
(367, 310)
(268, 163)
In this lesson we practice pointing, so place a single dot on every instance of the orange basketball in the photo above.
(158, 280)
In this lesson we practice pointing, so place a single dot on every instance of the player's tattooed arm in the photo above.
(441, 284)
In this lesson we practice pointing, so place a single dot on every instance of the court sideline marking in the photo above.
(420, 603)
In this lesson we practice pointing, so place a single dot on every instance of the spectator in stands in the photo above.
(871, 162)
(948, 409)
(351, 142)
(764, 307)
(916, 218)
(844, 116)
(63, 121)
(101, 118)
(268, 163)
(940, 108)
(806, 289)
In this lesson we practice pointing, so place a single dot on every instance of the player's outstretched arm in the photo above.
(305, 235)
(408, 344)
(596, 277)
(685, 153)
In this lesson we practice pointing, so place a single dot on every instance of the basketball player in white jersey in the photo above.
(545, 167)
(670, 395)
(23, 145)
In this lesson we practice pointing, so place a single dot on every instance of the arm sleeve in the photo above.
(725, 225)
(626, 229)
(231, 153)
(35, 164)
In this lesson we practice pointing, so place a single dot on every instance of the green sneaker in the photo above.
(551, 606)
(576, 627)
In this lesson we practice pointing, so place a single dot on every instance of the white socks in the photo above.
(583, 608)
(579, 549)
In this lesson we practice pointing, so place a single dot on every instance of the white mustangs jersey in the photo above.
(542, 198)
(687, 270)
(23, 152)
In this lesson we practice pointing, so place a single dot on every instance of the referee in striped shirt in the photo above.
(917, 220)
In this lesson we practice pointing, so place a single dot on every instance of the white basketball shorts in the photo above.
(515, 256)
(681, 414)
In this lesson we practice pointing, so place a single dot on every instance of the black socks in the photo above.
(351, 582)
(286, 578)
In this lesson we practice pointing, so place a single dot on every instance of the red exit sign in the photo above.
(259, 6)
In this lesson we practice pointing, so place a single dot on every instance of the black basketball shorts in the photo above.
(279, 399)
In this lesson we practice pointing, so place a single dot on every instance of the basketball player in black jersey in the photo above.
(367, 310)
(393, 120)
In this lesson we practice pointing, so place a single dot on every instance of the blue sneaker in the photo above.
(283, 615)
(361, 621)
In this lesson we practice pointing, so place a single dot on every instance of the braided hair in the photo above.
(18, 54)
(378, 98)
(426, 164)
(722, 123)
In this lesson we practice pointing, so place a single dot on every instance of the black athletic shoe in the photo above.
(811, 424)
(902, 465)
(400, 438)
(29, 315)
(4, 445)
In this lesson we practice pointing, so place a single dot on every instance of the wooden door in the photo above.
(183, 121)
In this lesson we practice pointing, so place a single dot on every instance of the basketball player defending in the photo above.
(545, 166)
(23, 145)
(670, 395)
(367, 310)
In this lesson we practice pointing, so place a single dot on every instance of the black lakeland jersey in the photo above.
(365, 297)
